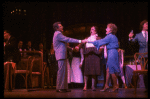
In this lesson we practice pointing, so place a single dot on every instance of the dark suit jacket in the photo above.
(12, 51)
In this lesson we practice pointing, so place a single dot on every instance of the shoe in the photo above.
(84, 89)
(146, 91)
(61, 90)
(93, 89)
(105, 89)
(114, 90)
(125, 86)
(68, 90)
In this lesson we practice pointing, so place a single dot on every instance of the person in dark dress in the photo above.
(112, 66)
(45, 62)
(52, 65)
(92, 59)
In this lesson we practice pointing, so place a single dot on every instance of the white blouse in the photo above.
(91, 38)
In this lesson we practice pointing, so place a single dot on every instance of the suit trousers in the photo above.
(62, 82)
(8, 76)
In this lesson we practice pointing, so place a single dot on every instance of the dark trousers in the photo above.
(8, 76)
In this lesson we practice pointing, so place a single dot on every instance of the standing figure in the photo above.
(142, 39)
(76, 64)
(60, 47)
(45, 61)
(20, 46)
(69, 60)
(112, 66)
(11, 54)
(121, 62)
(92, 59)
(52, 67)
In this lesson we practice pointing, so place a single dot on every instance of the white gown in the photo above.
(76, 72)
(68, 71)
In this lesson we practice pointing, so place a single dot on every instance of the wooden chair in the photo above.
(9, 68)
(25, 73)
(41, 70)
(139, 58)
(46, 74)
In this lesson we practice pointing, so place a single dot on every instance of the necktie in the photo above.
(146, 36)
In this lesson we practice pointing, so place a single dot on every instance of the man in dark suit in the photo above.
(142, 39)
(11, 51)
(60, 47)
(11, 54)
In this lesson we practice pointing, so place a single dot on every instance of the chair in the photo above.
(139, 58)
(41, 71)
(9, 68)
(46, 73)
(25, 72)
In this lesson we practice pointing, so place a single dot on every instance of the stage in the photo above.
(76, 93)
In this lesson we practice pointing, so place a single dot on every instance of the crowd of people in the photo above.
(75, 64)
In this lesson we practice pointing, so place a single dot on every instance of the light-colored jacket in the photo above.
(60, 45)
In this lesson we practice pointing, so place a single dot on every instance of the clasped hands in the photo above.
(84, 41)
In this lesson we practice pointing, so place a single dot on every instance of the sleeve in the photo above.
(99, 43)
(12, 44)
(134, 39)
(63, 38)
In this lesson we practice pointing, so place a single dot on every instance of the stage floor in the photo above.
(76, 93)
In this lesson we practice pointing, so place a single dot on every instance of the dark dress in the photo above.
(111, 42)
(92, 60)
(53, 66)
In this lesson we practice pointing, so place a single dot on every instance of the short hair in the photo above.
(7, 31)
(113, 28)
(55, 25)
(142, 23)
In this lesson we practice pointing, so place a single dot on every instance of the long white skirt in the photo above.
(68, 71)
(76, 73)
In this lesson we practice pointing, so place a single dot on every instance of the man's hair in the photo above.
(7, 31)
(112, 27)
(55, 25)
(142, 23)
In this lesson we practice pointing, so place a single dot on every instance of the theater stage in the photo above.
(76, 93)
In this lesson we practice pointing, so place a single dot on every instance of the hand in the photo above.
(4, 44)
(77, 48)
(80, 65)
(84, 41)
(131, 35)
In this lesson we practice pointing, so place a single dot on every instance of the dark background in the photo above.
(76, 17)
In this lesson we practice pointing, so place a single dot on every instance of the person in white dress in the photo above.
(76, 64)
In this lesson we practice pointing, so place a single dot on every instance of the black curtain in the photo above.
(40, 17)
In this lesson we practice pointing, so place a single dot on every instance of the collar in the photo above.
(95, 35)
(58, 31)
(143, 32)
(109, 33)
